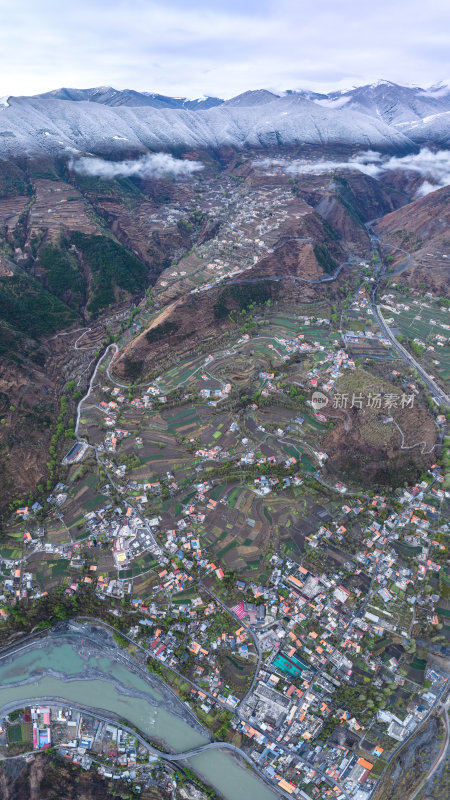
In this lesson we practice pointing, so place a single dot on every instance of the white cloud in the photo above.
(157, 165)
(428, 164)
(426, 188)
(433, 166)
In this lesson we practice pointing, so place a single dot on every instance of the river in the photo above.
(86, 668)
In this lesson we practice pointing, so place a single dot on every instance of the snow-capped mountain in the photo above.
(108, 96)
(392, 103)
(382, 116)
(38, 125)
(421, 114)
(433, 129)
(258, 97)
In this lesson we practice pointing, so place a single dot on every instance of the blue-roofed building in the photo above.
(292, 665)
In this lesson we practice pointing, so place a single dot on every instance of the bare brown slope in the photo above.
(50, 778)
(370, 448)
(427, 216)
(417, 237)
(203, 317)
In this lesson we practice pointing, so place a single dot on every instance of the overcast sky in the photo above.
(220, 47)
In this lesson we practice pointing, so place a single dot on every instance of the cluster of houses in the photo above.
(305, 667)
(310, 627)
(194, 638)
(83, 740)
(246, 235)
(340, 360)
(283, 728)
(91, 744)
(296, 618)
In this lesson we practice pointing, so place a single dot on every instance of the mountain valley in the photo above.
(75, 251)
(224, 371)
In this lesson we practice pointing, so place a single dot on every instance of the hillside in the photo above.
(395, 104)
(77, 252)
(37, 126)
(416, 236)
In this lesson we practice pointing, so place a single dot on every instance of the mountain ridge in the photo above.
(107, 95)
(383, 116)
(39, 126)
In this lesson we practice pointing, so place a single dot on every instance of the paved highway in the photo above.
(438, 760)
(440, 397)
(165, 756)
(436, 392)
(443, 704)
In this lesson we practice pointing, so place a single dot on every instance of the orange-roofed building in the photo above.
(287, 787)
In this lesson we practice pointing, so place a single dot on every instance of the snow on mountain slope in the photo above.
(308, 94)
(434, 129)
(108, 96)
(257, 97)
(393, 103)
(36, 125)
(438, 91)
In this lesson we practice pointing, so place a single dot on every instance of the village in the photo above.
(318, 638)
(268, 594)
(91, 744)
(250, 223)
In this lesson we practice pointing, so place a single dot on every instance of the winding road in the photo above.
(89, 390)
(439, 396)
(283, 748)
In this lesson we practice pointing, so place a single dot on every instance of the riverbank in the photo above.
(86, 670)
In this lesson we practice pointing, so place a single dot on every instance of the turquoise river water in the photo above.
(73, 669)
